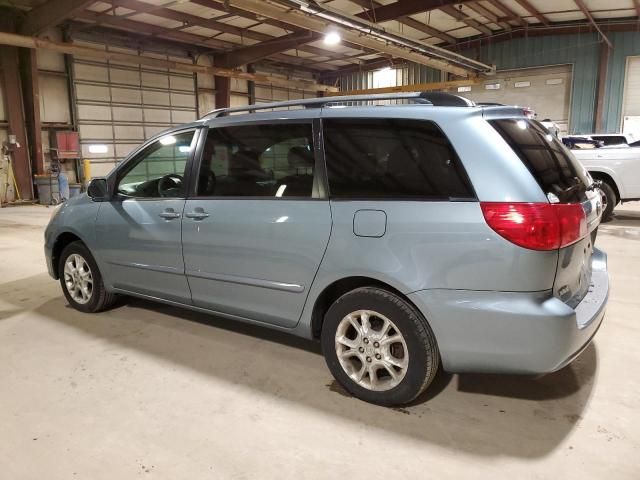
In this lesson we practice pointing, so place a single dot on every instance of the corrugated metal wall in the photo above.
(582, 51)
(626, 44)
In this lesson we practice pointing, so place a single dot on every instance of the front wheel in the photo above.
(378, 347)
(81, 280)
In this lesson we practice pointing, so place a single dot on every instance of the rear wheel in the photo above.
(81, 280)
(378, 347)
(609, 200)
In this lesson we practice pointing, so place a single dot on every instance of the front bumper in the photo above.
(513, 332)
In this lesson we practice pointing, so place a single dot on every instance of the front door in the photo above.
(139, 231)
(257, 227)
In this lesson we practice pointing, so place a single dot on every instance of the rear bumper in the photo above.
(513, 332)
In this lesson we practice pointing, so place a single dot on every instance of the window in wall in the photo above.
(159, 169)
(387, 77)
(258, 161)
(392, 158)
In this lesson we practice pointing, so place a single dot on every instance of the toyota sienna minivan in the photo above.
(422, 234)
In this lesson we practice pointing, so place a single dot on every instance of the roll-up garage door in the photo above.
(119, 106)
(631, 102)
(547, 90)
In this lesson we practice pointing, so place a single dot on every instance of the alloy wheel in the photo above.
(78, 278)
(371, 350)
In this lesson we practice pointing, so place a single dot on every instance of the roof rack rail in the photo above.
(425, 98)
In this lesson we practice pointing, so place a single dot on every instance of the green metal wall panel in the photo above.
(625, 44)
(582, 51)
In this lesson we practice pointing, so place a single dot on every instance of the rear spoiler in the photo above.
(497, 112)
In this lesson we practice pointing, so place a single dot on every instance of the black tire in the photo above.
(423, 356)
(99, 299)
(611, 200)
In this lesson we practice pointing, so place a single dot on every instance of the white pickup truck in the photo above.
(617, 167)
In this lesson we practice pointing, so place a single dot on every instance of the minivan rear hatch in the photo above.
(565, 182)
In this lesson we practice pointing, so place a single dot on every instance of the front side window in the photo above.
(392, 158)
(159, 169)
(257, 161)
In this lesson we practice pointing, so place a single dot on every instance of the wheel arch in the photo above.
(62, 240)
(607, 177)
(337, 288)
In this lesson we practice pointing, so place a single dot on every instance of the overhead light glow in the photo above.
(184, 148)
(168, 140)
(98, 149)
(332, 38)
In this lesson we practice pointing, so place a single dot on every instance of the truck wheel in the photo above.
(609, 200)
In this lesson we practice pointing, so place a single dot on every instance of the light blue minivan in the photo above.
(426, 232)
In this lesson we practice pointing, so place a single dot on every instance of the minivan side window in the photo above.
(392, 158)
(158, 171)
(275, 160)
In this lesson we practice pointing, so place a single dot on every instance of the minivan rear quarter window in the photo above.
(392, 158)
(553, 167)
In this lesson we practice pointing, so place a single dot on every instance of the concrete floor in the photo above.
(147, 390)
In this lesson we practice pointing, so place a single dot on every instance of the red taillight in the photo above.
(537, 226)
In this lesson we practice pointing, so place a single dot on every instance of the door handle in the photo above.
(169, 214)
(197, 215)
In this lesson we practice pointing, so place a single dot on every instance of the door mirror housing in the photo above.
(98, 190)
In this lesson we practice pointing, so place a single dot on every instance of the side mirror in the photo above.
(98, 190)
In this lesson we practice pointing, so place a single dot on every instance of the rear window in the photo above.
(559, 175)
(392, 158)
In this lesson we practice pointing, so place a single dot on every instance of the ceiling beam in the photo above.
(554, 29)
(318, 24)
(416, 87)
(512, 16)
(213, 24)
(520, 32)
(587, 13)
(244, 55)
(533, 11)
(225, 6)
(462, 17)
(50, 14)
(24, 41)
(489, 15)
(409, 22)
(403, 8)
(184, 37)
